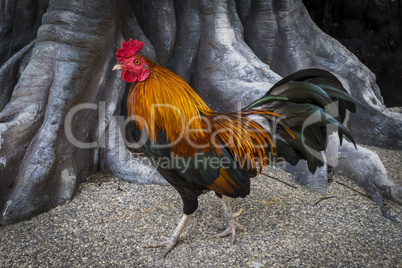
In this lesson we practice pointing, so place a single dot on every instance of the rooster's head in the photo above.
(135, 67)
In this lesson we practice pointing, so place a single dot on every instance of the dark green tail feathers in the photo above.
(313, 104)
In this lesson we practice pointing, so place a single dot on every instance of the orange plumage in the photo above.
(165, 102)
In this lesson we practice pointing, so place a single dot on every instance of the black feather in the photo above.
(313, 104)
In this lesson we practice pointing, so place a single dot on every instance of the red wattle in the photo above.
(129, 77)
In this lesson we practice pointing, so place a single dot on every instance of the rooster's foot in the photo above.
(170, 242)
(231, 229)
(232, 224)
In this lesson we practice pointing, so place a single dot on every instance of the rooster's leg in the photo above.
(170, 242)
(232, 224)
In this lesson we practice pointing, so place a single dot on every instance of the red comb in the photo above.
(128, 49)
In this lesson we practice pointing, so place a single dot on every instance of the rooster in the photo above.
(220, 152)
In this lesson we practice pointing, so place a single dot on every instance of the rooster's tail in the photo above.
(313, 104)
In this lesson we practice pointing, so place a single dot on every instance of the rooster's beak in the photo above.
(118, 67)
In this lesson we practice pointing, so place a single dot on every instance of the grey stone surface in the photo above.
(109, 220)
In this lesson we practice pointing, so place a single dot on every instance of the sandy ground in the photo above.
(109, 220)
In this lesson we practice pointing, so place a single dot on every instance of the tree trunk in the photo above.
(62, 107)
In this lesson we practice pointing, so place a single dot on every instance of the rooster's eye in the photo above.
(137, 62)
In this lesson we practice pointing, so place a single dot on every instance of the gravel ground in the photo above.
(109, 220)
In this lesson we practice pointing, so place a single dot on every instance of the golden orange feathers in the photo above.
(165, 102)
